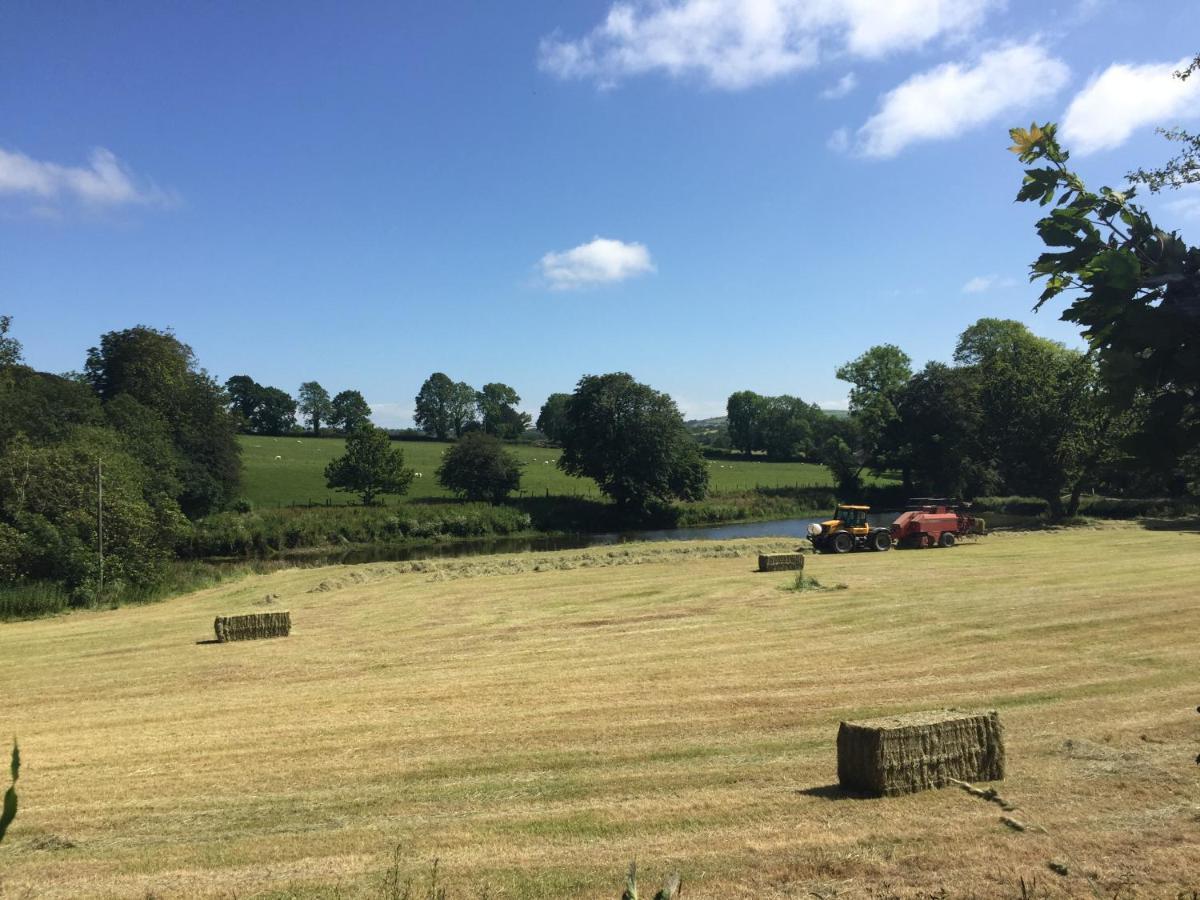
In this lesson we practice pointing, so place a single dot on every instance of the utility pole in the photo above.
(100, 519)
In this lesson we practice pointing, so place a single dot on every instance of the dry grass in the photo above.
(537, 729)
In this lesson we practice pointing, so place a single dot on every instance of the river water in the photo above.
(778, 528)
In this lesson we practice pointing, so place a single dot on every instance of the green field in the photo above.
(297, 476)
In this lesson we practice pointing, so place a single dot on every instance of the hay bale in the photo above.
(780, 562)
(916, 751)
(253, 626)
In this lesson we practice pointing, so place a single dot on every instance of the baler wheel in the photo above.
(947, 539)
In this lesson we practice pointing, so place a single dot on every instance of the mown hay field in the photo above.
(298, 476)
(537, 721)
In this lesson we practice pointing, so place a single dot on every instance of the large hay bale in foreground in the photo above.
(916, 751)
(253, 626)
(780, 562)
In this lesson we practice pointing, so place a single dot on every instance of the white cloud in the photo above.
(1187, 204)
(981, 283)
(954, 97)
(734, 44)
(392, 415)
(844, 86)
(600, 261)
(1124, 98)
(104, 182)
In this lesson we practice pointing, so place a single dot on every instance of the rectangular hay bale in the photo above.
(916, 751)
(780, 562)
(253, 626)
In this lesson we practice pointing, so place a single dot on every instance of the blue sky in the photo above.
(713, 195)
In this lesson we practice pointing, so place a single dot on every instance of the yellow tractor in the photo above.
(849, 530)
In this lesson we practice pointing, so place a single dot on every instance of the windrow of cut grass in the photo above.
(537, 726)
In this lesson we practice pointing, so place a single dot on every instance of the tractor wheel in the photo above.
(881, 540)
(842, 542)
(947, 539)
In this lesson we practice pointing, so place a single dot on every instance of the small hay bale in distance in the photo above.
(253, 626)
(780, 562)
(916, 751)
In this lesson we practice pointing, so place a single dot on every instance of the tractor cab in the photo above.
(849, 529)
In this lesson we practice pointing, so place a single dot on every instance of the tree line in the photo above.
(269, 410)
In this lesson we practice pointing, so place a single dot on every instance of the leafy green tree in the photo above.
(315, 405)
(433, 413)
(261, 410)
(479, 468)
(1043, 417)
(48, 500)
(462, 408)
(877, 377)
(10, 347)
(370, 467)
(1183, 169)
(632, 441)
(552, 416)
(936, 438)
(350, 410)
(1137, 296)
(244, 396)
(160, 372)
(498, 414)
(744, 419)
(45, 408)
(275, 413)
(786, 427)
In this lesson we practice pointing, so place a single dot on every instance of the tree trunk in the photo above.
(1073, 503)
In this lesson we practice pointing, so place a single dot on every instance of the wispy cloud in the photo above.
(982, 283)
(841, 87)
(600, 261)
(1124, 98)
(105, 182)
(733, 44)
(956, 97)
(392, 415)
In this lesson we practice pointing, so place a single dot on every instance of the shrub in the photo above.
(479, 468)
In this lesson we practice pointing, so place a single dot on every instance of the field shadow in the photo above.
(208, 641)
(834, 792)
(1189, 525)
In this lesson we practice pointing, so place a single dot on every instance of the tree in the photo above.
(433, 406)
(244, 396)
(1137, 300)
(498, 413)
(261, 410)
(350, 410)
(160, 372)
(315, 405)
(786, 427)
(275, 412)
(632, 441)
(479, 468)
(461, 408)
(1183, 169)
(552, 416)
(48, 515)
(877, 378)
(10, 348)
(744, 419)
(1042, 419)
(937, 435)
(370, 466)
